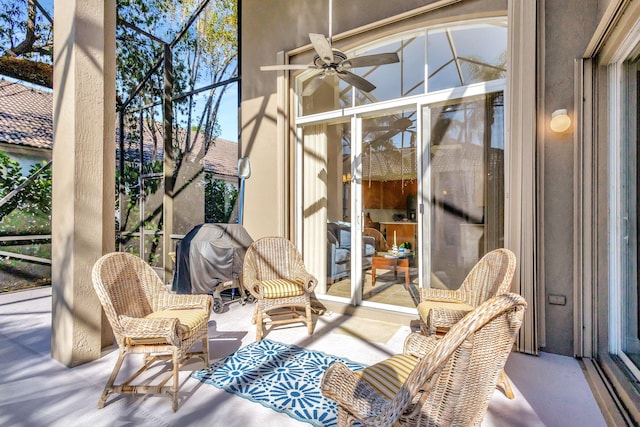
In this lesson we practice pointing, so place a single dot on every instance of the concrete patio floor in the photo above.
(36, 390)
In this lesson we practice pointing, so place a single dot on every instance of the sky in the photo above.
(228, 114)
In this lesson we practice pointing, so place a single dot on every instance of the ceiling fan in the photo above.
(332, 62)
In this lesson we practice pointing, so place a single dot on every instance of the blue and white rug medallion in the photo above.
(283, 377)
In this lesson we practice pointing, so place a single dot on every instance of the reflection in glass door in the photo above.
(464, 175)
(330, 181)
(371, 205)
(629, 306)
(389, 188)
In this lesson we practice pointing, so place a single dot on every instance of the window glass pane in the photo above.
(327, 93)
(467, 54)
(389, 202)
(466, 157)
(631, 196)
(453, 56)
(395, 80)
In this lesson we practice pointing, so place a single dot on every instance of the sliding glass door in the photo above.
(403, 186)
(626, 318)
(463, 178)
(361, 183)
(388, 186)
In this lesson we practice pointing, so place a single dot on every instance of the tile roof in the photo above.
(25, 115)
(26, 120)
(220, 158)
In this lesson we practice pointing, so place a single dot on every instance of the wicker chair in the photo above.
(148, 319)
(381, 242)
(274, 273)
(440, 309)
(436, 381)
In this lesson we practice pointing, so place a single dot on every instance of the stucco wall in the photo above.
(568, 29)
(270, 26)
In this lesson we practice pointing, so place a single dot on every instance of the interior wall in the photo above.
(568, 29)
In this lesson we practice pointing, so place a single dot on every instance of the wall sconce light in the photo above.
(346, 178)
(560, 121)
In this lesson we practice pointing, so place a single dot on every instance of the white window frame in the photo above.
(617, 228)
(354, 113)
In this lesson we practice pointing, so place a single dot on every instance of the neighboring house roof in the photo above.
(26, 120)
(25, 115)
(221, 156)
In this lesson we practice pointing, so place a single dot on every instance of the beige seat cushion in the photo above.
(282, 288)
(189, 318)
(388, 376)
(425, 307)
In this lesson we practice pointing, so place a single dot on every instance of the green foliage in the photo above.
(29, 210)
(28, 213)
(220, 198)
(132, 195)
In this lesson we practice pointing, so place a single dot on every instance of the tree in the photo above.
(204, 58)
(34, 201)
(204, 55)
(26, 42)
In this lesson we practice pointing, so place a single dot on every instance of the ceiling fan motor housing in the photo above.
(338, 59)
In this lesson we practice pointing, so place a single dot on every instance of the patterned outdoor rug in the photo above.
(283, 377)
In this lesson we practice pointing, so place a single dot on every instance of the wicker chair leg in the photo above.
(176, 381)
(504, 385)
(259, 324)
(255, 315)
(108, 388)
(344, 418)
(205, 350)
(309, 319)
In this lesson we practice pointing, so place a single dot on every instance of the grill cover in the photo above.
(209, 255)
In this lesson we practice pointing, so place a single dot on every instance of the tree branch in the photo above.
(30, 37)
(30, 71)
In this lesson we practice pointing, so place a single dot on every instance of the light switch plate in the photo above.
(558, 299)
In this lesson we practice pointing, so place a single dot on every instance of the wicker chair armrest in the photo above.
(149, 329)
(443, 318)
(254, 286)
(418, 345)
(446, 295)
(351, 392)
(172, 301)
(307, 278)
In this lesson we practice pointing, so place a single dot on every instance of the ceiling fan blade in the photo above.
(356, 81)
(285, 67)
(313, 85)
(322, 47)
(371, 60)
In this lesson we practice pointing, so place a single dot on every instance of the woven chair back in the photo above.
(273, 258)
(458, 377)
(491, 276)
(126, 286)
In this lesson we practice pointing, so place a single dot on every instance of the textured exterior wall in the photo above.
(568, 29)
(272, 26)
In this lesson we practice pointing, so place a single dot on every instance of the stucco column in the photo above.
(83, 226)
